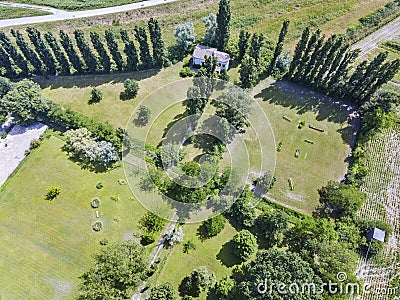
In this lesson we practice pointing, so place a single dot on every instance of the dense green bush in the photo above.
(131, 89)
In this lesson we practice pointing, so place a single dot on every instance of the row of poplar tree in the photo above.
(47, 55)
(325, 65)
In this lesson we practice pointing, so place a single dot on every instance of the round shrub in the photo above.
(97, 226)
(95, 203)
(99, 185)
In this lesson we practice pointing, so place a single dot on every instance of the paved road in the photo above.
(60, 15)
(387, 32)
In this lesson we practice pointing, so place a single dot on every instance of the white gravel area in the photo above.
(12, 148)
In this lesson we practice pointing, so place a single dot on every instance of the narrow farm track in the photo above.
(382, 187)
(60, 15)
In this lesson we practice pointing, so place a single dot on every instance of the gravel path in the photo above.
(12, 148)
(60, 15)
(387, 32)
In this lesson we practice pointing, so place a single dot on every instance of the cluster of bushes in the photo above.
(81, 145)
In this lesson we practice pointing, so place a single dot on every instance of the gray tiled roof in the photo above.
(202, 51)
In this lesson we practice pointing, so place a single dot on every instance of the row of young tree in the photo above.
(47, 55)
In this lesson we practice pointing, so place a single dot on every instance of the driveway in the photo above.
(60, 15)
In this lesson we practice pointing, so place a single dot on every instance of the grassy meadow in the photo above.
(47, 245)
(7, 12)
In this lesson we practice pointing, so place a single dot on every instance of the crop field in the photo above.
(77, 4)
(14, 12)
(383, 203)
(317, 163)
(47, 245)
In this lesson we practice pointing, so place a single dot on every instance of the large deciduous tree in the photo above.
(118, 270)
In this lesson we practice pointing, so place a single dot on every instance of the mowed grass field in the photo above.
(319, 162)
(77, 4)
(74, 92)
(47, 245)
(16, 12)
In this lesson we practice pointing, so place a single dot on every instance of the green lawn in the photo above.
(16, 12)
(319, 162)
(211, 253)
(77, 4)
(47, 245)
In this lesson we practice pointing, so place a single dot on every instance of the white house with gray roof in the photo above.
(200, 53)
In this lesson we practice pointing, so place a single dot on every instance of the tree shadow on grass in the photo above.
(170, 124)
(82, 81)
(302, 100)
(226, 255)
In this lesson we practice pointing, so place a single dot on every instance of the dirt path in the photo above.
(385, 33)
(60, 15)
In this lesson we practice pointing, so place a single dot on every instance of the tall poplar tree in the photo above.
(243, 44)
(12, 51)
(279, 46)
(156, 42)
(64, 66)
(223, 23)
(43, 50)
(29, 54)
(132, 60)
(113, 47)
(87, 53)
(101, 51)
(141, 37)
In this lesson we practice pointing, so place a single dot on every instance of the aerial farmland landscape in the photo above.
(200, 149)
